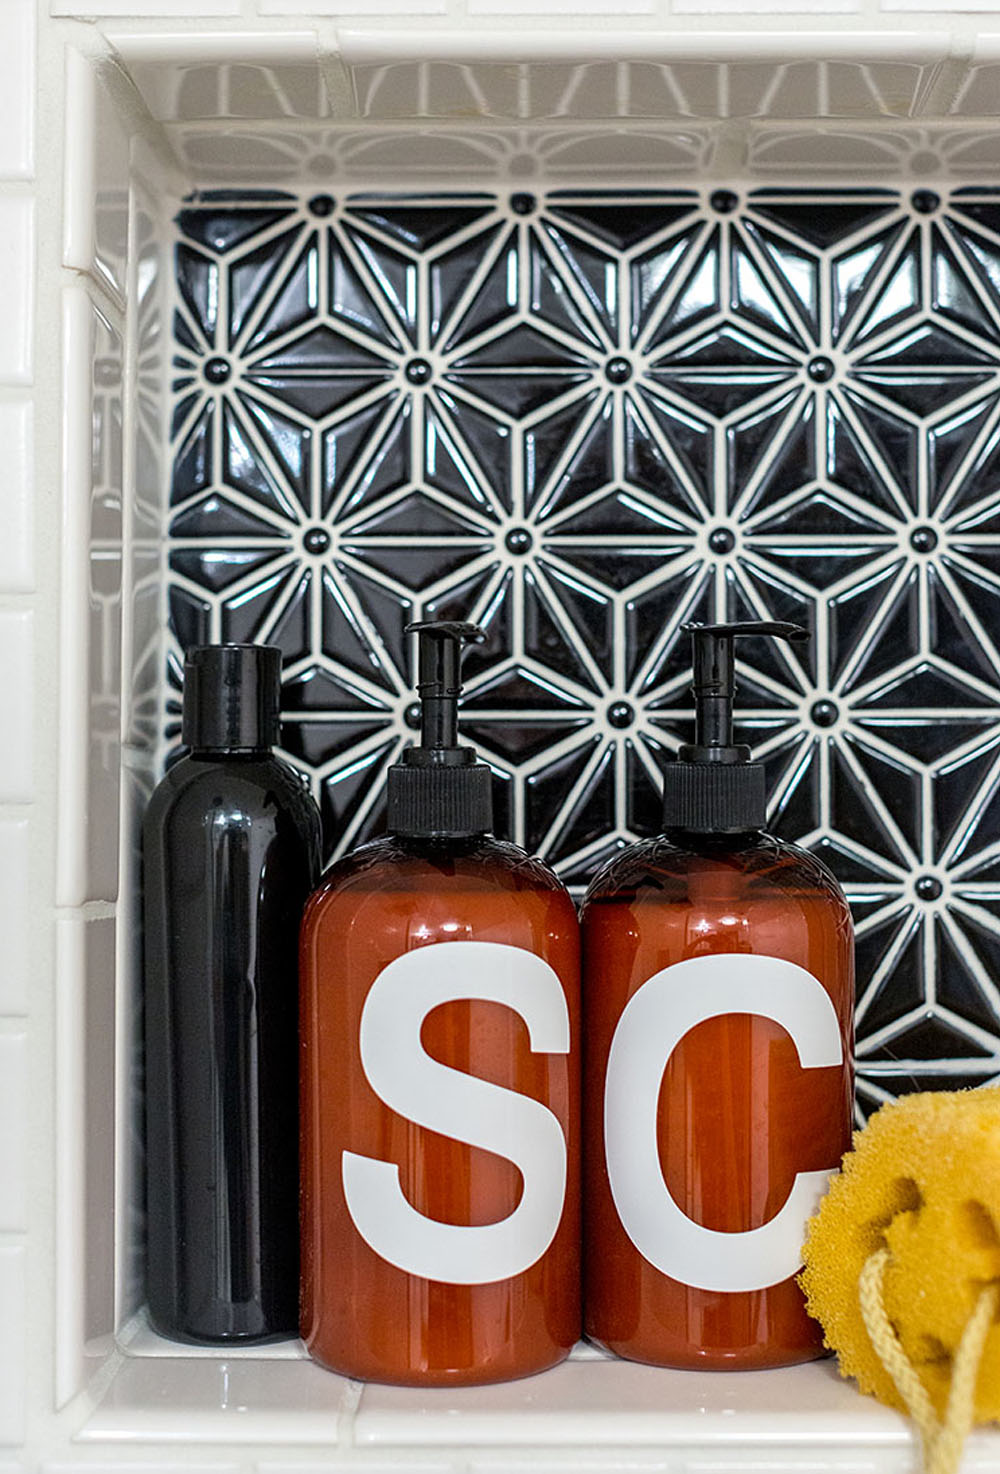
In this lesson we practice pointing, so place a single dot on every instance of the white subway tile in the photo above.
(342, 7)
(561, 7)
(765, 7)
(15, 916)
(17, 89)
(17, 492)
(17, 288)
(17, 676)
(13, 1343)
(14, 1120)
(141, 9)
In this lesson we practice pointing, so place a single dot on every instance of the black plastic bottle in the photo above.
(231, 848)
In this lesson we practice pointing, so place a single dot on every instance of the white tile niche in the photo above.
(150, 116)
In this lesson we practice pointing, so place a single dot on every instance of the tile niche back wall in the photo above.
(582, 419)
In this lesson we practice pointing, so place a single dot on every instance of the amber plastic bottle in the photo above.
(718, 1089)
(440, 1091)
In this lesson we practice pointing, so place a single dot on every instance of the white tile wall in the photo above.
(17, 494)
(15, 915)
(17, 283)
(17, 89)
(561, 7)
(13, 1343)
(141, 9)
(13, 1132)
(338, 7)
(17, 677)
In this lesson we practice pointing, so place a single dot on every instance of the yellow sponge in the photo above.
(923, 1181)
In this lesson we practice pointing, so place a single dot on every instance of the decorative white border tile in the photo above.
(14, 1119)
(17, 677)
(17, 498)
(17, 89)
(13, 1343)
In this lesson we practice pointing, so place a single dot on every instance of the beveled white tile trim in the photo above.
(17, 678)
(17, 287)
(156, 60)
(221, 1399)
(13, 1343)
(14, 1119)
(618, 1405)
(17, 89)
(70, 1143)
(359, 47)
(17, 498)
(74, 678)
(15, 898)
(79, 172)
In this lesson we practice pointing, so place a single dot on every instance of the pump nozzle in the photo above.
(439, 666)
(438, 789)
(714, 685)
(714, 788)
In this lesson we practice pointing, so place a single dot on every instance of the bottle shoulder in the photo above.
(663, 868)
(255, 787)
(478, 865)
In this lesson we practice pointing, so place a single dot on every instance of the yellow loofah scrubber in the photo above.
(902, 1264)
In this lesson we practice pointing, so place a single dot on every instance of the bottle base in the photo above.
(437, 1376)
(745, 1359)
(185, 1336)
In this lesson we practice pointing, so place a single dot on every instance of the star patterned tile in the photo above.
(581, 419)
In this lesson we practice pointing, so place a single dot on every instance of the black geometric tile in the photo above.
(581, 419)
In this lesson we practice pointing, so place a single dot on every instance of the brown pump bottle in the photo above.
(718, 1090)
(439, 1082)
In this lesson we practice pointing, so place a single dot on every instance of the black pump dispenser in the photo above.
(713, 787)
(438, 789)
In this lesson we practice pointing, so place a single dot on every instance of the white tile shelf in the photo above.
(594, 1411)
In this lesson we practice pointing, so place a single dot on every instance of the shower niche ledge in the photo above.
(289, 132)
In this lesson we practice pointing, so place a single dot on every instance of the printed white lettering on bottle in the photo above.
(460, 1106)
(652, 1024)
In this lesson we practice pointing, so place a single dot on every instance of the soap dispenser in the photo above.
(440, 1095)
(718, 1090)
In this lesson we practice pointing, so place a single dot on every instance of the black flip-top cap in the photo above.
(232, 697)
